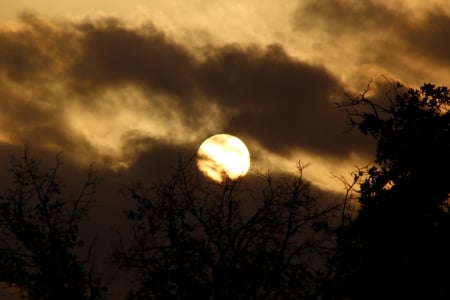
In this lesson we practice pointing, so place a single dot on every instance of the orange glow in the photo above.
(223, 156)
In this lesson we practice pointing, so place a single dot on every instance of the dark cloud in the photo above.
(30, 60)
(271, 96)
(19, 59)
(112, 53)
(264, 93)
(158, 159)
(430, 38)
(31, 51)
(340, 17)
(281, 101)
(390, 32)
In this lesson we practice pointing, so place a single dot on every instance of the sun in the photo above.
(223, 156)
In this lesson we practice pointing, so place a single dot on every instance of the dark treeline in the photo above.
(398, 245)
(265, 238)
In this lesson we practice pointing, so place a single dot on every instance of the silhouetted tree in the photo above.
(39, 234)
(192, 239)
(398, 245)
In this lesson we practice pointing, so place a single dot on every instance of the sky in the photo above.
(132, 85)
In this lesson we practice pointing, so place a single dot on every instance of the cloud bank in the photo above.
(100, 89)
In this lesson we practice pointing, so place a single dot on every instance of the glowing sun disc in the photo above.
(223, 156)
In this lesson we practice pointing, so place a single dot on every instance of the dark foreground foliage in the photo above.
(399, 244)
(39, 235)
(192, 239)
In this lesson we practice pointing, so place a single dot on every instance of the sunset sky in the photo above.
(132, 84)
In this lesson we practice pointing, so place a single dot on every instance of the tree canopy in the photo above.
(39, 234)
(191, 239)
(399, 242)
